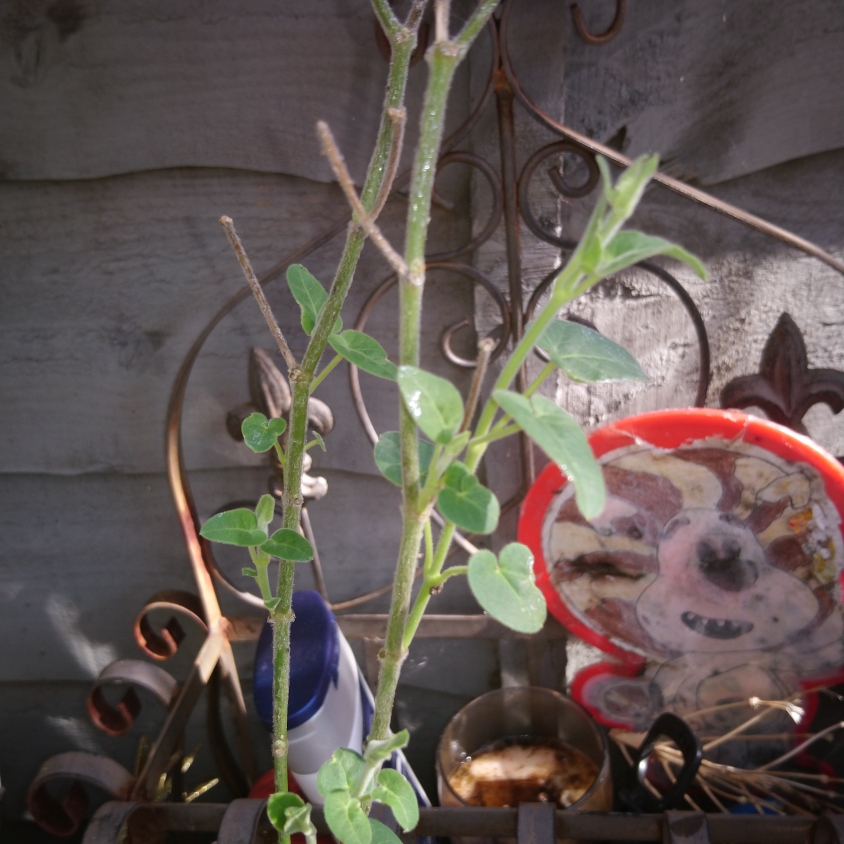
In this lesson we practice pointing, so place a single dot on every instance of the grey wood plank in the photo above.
(97, 88)
(82, 554)
(718, 89)
(106, 283)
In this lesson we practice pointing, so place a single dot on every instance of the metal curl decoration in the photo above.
(118, 720)
(559, 182)
(79, 768)
(494, 182)
(598, 38)
(163, 645)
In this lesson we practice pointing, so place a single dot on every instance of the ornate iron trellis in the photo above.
(785, 382)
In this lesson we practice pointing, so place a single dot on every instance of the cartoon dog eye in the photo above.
(724, 567)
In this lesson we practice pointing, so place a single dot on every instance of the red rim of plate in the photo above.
(663, 429)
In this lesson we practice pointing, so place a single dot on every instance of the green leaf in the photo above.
(586, 355)
(290, 814)
(340, 772)
(505, 587)
(630, 247)
(310, 295)
(382, 834)
(248, 571)
(562, 439)
(289, 545)
(380, 750)
(272, 604)
(433, 402)
(624, 196)
(466, 502)
(318, 440)
(265, 511)
(346, 819)
(260, 433)
(364, 352)
(234, 527)
(394, 790)
(388, 457)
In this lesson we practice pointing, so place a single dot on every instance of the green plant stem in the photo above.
(325, 372)
(442, 68)
(451, 572)
(493, 435)
(443, 58)
(403, 43)
(561, 294)
(430, 583)
(537, 382)
(280, 454)
(394, 653)
(282, 616)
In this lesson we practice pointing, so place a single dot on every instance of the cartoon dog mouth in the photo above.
(715, 628)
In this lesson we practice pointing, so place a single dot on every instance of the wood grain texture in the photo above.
(718, 89)
(98, 87)
(106, 284)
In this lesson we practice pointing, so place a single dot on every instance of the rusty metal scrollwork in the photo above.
(163, 644)
(79, 769)
(598, 38)
(118, 719)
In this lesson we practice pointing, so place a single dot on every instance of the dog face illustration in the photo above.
(716, 591)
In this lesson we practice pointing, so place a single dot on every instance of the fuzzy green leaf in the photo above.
(272, 604)
(624, 196)
(346, 819)
(234, 527)
(265, 511)
(289, 545)
(382, 834)
(561, 438)
(260, 433)
(380, 750)
(630, 247)
(318, 440)
(310, 296)
(364, 352)
(466, 502)
(586, 355)
(340, 772)
(388, 457)
(505, 587)
(394, 790)
(289, 814)
(248, 571)
(433, 402)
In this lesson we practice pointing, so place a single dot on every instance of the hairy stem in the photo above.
(403, 40)
(432, 581)
(443, 58)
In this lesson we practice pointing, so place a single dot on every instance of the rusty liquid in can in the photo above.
(524, 770)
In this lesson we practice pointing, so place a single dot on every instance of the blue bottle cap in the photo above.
(314, 661)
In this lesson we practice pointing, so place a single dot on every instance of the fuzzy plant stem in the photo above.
(302, 378)
(443, 58)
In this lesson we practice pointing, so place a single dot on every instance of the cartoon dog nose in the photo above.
(722, 565)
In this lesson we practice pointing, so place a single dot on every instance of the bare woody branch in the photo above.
(258, 292)
(338, 165)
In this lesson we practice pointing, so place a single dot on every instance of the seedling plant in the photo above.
(435, 455)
